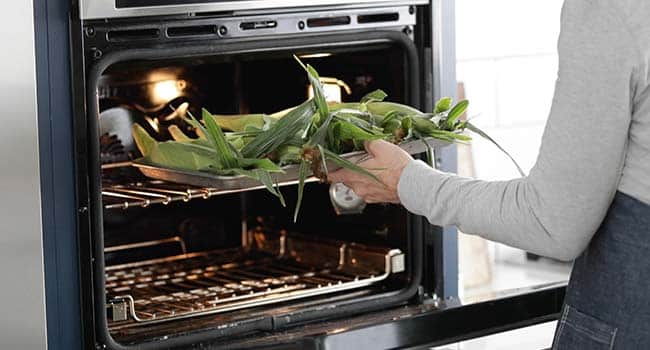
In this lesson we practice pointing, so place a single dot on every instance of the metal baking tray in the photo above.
(239, 182)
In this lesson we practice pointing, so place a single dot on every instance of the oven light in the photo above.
(167, 90)
(332, 88)
(316, 55)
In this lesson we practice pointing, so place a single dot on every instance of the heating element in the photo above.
(277, 268)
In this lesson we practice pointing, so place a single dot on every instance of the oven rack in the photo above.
(147, 192)
(280, 268)
(144, 193)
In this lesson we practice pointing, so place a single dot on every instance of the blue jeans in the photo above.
(607, 305)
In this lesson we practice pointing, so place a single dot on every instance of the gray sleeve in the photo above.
(556, 209)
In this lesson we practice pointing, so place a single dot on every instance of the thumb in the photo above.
(375, 147)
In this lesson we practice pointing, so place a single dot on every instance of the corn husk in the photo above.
(310, 135)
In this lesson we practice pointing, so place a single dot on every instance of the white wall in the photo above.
(507, 60)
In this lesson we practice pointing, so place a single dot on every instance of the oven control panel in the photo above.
(103, 9)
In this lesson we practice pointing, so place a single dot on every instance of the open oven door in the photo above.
(425, 325)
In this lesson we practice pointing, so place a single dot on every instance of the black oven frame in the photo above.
(435, 317)
(111, 55)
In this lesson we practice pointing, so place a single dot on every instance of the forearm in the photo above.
(504, 211)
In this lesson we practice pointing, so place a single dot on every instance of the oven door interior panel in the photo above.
(181, 264)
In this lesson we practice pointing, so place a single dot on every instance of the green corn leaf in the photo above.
(263, 164)
(283, 130)
(321, 132)
(350, 118)
(424, 126)
(450, 136)
(303, 173)
(288, 154)
(200, 142)
(317, 87)
(349, 131)
(392, 126)
(443, 105)
(389, 117)
(323, 164)
(198, 127)
(240, 122)
(344, 163)
(430, 157)
(143, 140)
(184, 156)
(455, 113)
(267, 180)
(237, 141)
(334, 137)
(225, 153)
(407, 125)
(383, 108)
(262, 176)
(481, 133)
(374, 96)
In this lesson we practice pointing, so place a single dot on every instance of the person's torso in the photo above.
(635, 178)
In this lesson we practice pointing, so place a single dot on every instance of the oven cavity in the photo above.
(180, 259)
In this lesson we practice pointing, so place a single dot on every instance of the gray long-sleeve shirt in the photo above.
(596, 141)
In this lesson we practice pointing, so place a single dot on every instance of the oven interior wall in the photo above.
(260, 83)
(148, 92)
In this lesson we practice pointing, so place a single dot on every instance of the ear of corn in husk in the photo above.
(310, 135)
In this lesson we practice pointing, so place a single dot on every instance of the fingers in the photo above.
(345, 175)
(341, 175)
(375, 147)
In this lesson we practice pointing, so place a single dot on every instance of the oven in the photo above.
(161, 264)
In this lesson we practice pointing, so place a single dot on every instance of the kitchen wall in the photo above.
(507, 64)
(507, 61)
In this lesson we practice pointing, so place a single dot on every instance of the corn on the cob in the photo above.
(309, 135)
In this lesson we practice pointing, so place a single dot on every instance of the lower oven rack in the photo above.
(279, 268)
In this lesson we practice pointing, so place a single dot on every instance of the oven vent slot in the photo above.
(258, 25)
(133, 34)
(328, 21)
(188, 31)
(378, 17)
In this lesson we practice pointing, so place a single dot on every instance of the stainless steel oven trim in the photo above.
(100, 9)
(23, 320)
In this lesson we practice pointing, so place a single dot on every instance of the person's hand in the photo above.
(387, 162)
